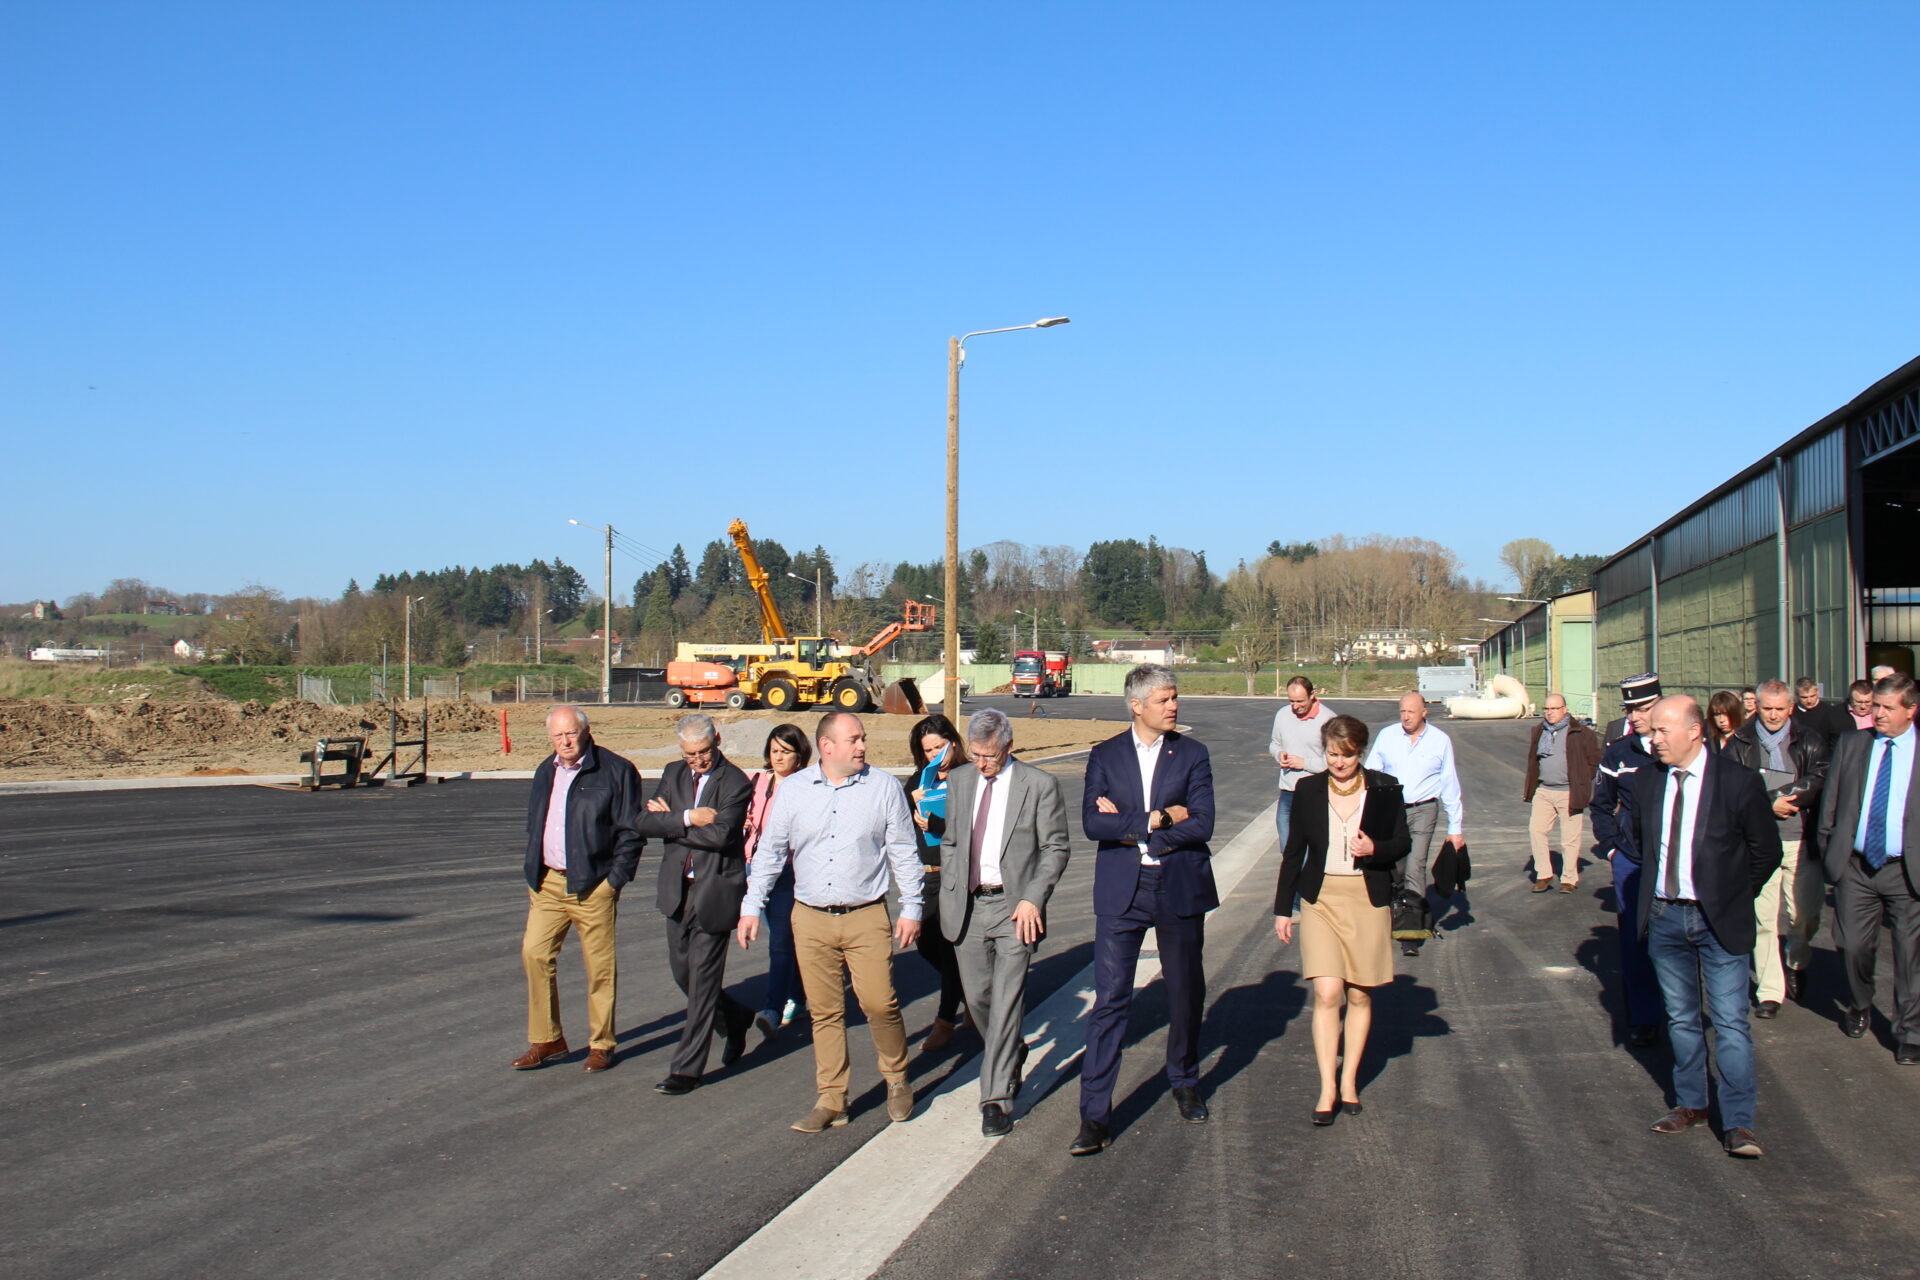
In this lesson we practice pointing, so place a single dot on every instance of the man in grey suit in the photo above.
(1005, 848)
(700, 813)
(1869, 836)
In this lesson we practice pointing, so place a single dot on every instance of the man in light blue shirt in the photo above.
(1869, 823)
(1420, 757)
(845, 826)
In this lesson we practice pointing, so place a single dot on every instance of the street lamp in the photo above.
(819, 627)
(406, 661)
(957, 356)
(606, 630)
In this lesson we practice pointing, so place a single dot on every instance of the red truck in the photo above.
(1038, 674)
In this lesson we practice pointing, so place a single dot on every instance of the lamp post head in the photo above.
(1051, 321)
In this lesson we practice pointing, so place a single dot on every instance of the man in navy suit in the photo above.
(1148, 803)
(1708, 842)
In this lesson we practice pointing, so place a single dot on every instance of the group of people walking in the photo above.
(1704, 848)
(1723, 826)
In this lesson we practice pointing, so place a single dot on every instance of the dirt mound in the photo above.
(42, 733)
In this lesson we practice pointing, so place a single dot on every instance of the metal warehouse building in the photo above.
(1807, 563)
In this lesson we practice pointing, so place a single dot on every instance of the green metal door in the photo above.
(1574, 658)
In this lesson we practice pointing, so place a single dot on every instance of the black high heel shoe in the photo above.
(1325, 1117)
(1352, 1108)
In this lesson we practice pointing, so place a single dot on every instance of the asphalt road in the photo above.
(255, 1032)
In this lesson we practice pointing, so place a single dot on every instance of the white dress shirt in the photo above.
(1424, 768)
(1146, 755)
(992, 835)
(1897, 786)
(1687, 794)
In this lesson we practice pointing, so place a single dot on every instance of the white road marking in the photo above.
(850, 1222)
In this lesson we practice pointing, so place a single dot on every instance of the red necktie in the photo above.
(979, 834)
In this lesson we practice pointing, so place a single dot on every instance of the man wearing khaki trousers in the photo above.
(1562, 757)
(845, 826)
(583, 844)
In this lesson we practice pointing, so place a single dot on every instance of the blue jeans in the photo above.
(783, 970)
(1686, 956)
(1283, 818)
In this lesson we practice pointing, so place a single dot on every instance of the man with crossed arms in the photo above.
(997, 872)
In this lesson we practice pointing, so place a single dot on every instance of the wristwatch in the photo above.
(1161, 820)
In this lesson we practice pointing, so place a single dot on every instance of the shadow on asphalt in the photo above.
(1403, 1011)
(1244, 1020)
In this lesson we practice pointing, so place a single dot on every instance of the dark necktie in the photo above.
(1676, 832)
(1875, 851)
(979, 834)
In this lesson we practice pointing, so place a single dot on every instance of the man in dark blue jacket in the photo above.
(1616, 838)
(583, 844)
(1148, 802)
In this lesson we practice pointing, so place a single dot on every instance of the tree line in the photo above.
(1302, 600)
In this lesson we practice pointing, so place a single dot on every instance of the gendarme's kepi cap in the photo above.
(1638, 690)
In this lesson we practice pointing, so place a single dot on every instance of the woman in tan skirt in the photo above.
(1349, 828)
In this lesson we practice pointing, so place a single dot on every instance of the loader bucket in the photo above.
(902, 698)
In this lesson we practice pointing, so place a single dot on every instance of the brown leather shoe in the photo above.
(1541, 886)
(939, 1036)
(538, 1055)
(899, 1102)
(599, 1059)
(821, 1117)
(1568, 886)
(1679, 1120)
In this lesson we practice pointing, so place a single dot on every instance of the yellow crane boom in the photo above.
(773, 628)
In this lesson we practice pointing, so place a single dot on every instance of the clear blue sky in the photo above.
(302, 292)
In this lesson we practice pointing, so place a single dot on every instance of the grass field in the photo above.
(84, 682)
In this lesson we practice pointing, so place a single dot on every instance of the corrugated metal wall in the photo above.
(1719, 588)
(1819, 585)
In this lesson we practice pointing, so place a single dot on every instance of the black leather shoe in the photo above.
(1192, 1110)
(1854, 1021)
(675, 1085)
(1908, 1055)
(1796, 983)
(1768, 1009)
(1643, 1037)
(1092, 1139)
(1409, 948)
(1324, 1118)
(994, 1120)
(1353, 1108)
(736, 1041)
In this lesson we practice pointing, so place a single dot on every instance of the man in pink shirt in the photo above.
(583, 844)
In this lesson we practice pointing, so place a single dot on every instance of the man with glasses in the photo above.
(1005, 848)
(699, 811)
(1562, 757)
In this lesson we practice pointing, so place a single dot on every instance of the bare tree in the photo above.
(1527, 559)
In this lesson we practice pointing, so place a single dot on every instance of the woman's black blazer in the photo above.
(1304, 864)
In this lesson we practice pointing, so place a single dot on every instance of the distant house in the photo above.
(187, 649)
(1141, 650)
(43, 611)
(1386, 642)
(166, 608)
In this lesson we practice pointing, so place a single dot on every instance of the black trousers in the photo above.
(1862, 899)
(938, 952)
(699, 961)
